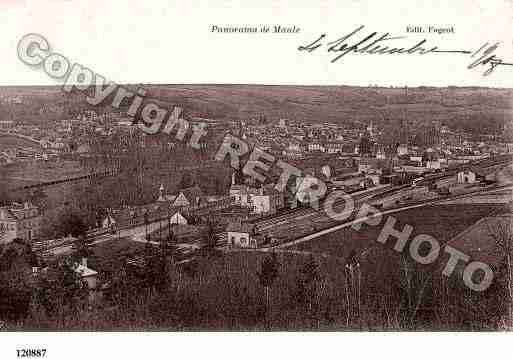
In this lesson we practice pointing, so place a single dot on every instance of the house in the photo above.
(6, 124)
(356, 181)
(83, 148)
(411, 169)
(326, 171)
(431, 159)
(178, 218)
(295, 149)
(138, 215)
(109, 222)
(267, 200)
(190, 196)
(21, 221)
(402, 150)
(295, 146)
(367, 165)
(466, 177)
(242, 235)
(316, 147)
(263, 200)
(241, 194)
(416, 159)
(165, 197)
(88, 275)
(380, 154)
(434, 164)
(334, 147)
(187, 197)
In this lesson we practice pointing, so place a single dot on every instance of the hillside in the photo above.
(481, 110)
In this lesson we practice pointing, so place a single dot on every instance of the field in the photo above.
(442, 222)
(332, 103)
(109, 255)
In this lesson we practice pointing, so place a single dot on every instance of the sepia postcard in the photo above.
(254, 174)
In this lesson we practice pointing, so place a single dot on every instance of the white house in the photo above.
(402, 150)
(326, 171)
(334, 147)
(90, 276)
(263, 200)
(177, 218)
(242, 235)
(19, 221)
(466, 177)
(416, 158)
(380, 155)
(316, 146)
(241, 194)
(267, 202)
(108, 222)
(433, 164)
(191, 196)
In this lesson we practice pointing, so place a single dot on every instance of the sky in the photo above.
(171, 42)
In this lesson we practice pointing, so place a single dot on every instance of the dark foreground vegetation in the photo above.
(252, 291)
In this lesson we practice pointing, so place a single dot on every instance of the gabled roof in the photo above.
(84, 271)
(168, 198)
(191, 193)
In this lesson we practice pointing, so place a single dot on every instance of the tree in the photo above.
(307, 281)
(353, 285)
(62, 288)
(414, 287)
(74, 225)
(82, 249)
(5, 197)
(119, 290)
(502, 233)
(365, 146)
(5, 193)
(209, 236)
(186, 180)
(167, 244)
(269, 271)
(38, 197)
(15, 287)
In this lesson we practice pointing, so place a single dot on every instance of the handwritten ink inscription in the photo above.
(374, 43)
